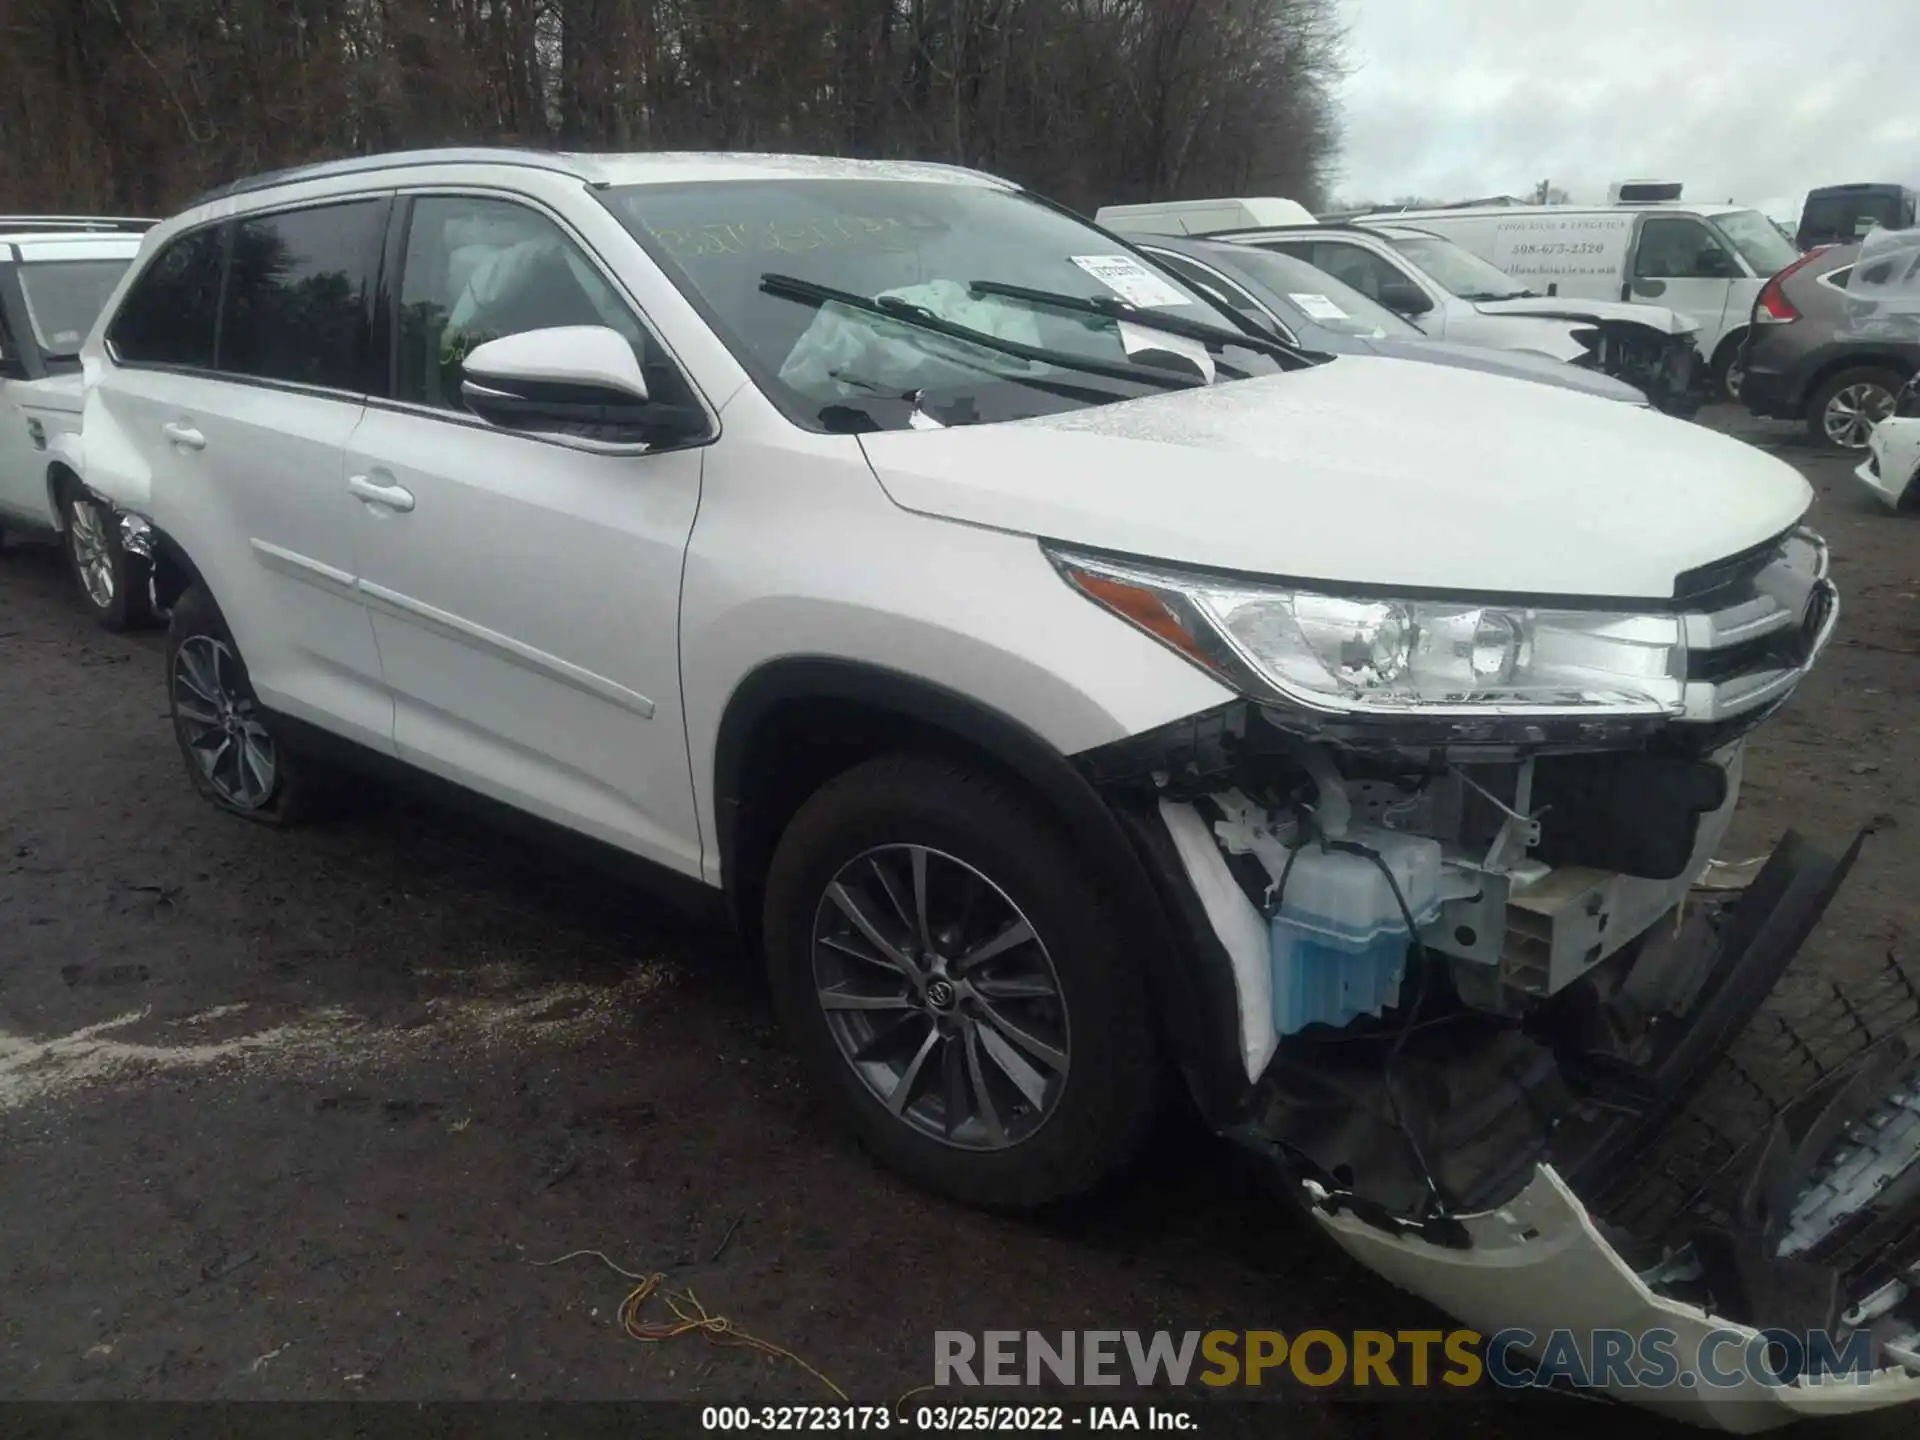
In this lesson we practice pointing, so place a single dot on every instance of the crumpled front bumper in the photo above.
(1811, 1215)
(1539, 1264)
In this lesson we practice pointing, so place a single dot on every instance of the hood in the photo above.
(1561, 307)
(1518, 364)
(1364, 470)
(59, 394)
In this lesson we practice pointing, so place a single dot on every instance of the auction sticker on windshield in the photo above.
(1130, 280)
(1318, 306)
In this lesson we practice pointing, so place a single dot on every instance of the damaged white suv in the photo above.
(1060, 684)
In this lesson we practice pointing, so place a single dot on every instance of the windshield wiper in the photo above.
(1112, 307)
(790, 287)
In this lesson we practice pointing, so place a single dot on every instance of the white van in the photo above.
(1199, 217)
(1706, 261)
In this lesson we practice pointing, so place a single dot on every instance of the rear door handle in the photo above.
(394, 497)
(184, 435)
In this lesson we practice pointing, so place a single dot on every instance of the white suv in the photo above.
(1062, 687)
(56, 273)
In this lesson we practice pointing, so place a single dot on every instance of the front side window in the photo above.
(478, 269)
(1679, 247)
(169, 314)
(65, 297)
(928, 266)
(297, 295)
(1459, 271)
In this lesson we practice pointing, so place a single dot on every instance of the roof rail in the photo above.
(391, 160)
(121, 223)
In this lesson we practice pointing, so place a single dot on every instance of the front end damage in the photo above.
(1667, 368)
(1505, 1033)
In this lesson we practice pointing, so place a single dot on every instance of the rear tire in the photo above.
(112, 583)
(1843, 411)
(1037, 1086)
(232, 755)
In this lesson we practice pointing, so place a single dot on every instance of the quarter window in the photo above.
(169, 314)
(297, 295)
(478, 269)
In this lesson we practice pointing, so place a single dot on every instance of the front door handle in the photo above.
(184, 435)
(394, 497)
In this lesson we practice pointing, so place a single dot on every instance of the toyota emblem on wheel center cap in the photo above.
(940, 993)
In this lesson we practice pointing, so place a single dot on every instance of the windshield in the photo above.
(1313, 293)
(1459, 271)
(1759, 243)
(65, 297)
(771, 262)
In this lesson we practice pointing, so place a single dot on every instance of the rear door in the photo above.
(1679, 262)
(240, 359)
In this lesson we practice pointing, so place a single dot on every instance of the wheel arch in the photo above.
(792, 724)
(173, 571)
(61, 472)
(1852, 359)
(1728, 350)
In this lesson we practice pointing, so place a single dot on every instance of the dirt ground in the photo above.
(292, 1116)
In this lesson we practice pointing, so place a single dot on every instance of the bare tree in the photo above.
(139, 104)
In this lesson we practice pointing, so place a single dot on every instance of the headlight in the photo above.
(1385, 655)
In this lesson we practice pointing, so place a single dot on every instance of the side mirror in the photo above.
(1405, 299)
(580, 382)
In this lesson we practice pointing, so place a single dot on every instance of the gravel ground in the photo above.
(289, 1116)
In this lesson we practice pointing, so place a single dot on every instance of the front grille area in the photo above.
(1754, 625)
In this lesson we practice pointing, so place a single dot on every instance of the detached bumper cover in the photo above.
(1646, 1214)
(1539, 1264)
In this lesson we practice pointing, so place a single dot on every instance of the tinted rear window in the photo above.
(168, 316)
(297, 292)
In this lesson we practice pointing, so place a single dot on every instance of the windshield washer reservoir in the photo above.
(1339, 939)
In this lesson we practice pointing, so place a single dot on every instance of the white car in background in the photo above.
(56, 273)
(1069, 690)
(1891, 470)
(1455, 296)
(1706, 262)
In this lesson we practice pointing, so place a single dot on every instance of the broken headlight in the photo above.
(1385, 655)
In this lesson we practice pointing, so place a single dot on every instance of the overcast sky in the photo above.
(1753, 100)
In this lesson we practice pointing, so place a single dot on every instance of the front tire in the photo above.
(1727, 369)
(961, 985)
(1845, 409)
(112, 583)
(232, 755)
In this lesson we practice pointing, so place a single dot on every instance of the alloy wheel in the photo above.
(219, 721)
(92, 556)
(1853, 412)
(941, 996)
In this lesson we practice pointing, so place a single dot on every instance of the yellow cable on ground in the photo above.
(691, 1317)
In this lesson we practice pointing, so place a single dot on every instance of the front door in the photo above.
(525, 591)
(1679, 263)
